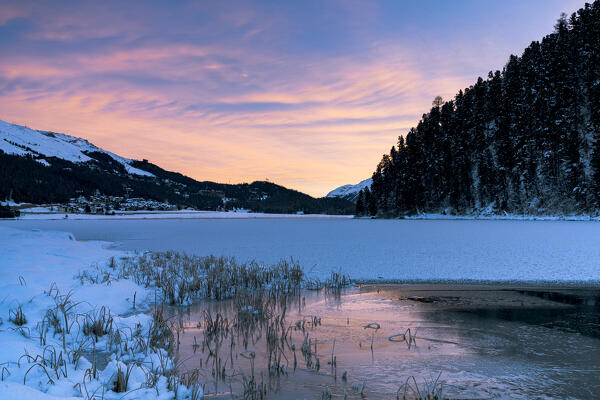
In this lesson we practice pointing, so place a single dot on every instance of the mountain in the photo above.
(44, 145)
(350, 192)
(524, 140)
(44, 167)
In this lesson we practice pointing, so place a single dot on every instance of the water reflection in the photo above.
(486, 342)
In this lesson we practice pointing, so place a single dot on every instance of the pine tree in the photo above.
(370, 203)
(360, 208)
(595, 181)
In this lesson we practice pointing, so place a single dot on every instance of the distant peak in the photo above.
(349, 191)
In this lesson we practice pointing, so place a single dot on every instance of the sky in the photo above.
(307, 94)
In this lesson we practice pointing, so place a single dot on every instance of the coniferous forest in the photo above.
(524, 140)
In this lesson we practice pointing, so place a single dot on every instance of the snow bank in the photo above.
(16, 391)
(38, 270)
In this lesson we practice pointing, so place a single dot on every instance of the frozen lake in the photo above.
(369, 249)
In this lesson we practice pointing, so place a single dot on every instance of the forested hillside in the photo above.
(25, 179)
(526, 139)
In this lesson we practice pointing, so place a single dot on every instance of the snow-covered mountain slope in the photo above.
(350, 192)
(20, 140)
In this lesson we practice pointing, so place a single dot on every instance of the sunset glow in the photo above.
(306, 94)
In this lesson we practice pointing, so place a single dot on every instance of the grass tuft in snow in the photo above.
(98, 323)
(122, 379)
(17, 316)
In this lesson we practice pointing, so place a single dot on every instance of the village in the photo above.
(95, 204)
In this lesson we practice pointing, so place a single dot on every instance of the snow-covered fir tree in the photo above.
(524, 140)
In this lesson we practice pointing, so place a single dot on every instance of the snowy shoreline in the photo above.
(60, 308)
(505, 217)
(39, 213)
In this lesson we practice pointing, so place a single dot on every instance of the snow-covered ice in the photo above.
(497, 250)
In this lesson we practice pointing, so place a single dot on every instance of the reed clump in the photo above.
(181, 278)
(429, 390)
(333, 284)
(258, 296)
